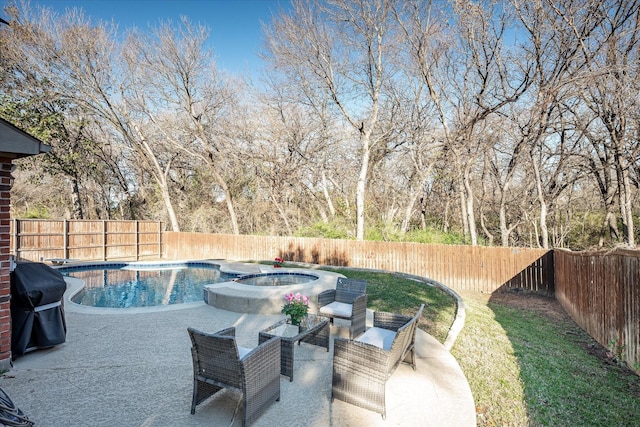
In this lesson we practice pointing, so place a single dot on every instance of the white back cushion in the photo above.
(381, 338)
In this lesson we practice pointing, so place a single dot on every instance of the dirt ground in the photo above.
(551, 309)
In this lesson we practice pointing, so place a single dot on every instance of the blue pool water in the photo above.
(276, 279)
(123, 286)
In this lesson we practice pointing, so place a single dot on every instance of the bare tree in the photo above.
(610, 94)
(469, 75)
(37, 93)
(174, 71)
(343, 48)
(81, 62)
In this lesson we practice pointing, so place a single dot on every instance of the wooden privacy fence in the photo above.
(475, 268)
(601, 292)
(39, 240)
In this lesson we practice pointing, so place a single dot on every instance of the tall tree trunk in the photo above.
(282, 214)
(471, 222)
(413, 198)
(625, 202)
(171, 213)
(77, 201)
(361, 188)
(228, 199)
(159, 175)
(504, 229)
(544, 231)
(327, 196)
(463, 206)
(609, 224)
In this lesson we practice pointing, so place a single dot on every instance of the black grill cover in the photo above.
(37, 313)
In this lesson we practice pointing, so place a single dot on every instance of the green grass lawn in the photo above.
(529, 364)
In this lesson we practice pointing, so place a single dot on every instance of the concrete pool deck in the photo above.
(133, 368)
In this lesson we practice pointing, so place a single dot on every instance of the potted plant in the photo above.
(296, 307)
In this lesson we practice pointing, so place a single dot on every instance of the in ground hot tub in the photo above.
(276, 279)
(264, 292)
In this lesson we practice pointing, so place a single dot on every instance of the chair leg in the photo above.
(201, 392)
(195, 394)
(410, 358)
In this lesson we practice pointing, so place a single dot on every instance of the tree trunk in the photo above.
(327, 196)
(486, 230)
(77, 201)
(227, 199)
(159, 175)
(282, 214)
(413, 198)
(609, 224)
(361, 188)
(504, 230)
(544, 231)
(171, 213)
(624, 192)
(471, 222)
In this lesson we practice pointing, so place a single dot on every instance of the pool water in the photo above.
(127, 286)
(276, 279)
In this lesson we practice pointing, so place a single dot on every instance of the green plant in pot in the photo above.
(296, 307)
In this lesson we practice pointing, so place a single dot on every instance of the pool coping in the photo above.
(230, 295)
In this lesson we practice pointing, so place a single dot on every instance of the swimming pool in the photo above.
(128, 285)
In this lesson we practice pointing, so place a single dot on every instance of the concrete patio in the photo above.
(133, 368)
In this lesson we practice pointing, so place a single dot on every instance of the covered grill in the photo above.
(37, 310)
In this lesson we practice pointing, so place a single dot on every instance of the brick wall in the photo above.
(5, 284)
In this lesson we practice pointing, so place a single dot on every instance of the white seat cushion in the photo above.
(337, 309)
(379, 337)
(243, 351)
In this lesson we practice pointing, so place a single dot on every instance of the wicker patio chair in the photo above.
(362, 367)
(219, 363)
(347, 301)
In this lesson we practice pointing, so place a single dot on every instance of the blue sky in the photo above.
(235, 25)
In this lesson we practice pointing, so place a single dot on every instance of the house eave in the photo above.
(16, 143)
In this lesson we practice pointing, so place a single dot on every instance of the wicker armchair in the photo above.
(362, 367)
(219, 363)
(347, 301)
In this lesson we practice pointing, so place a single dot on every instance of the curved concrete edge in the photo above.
(461, 314)
(138, 264)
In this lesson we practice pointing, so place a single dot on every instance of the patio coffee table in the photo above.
(314, 330)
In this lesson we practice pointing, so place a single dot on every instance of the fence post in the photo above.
(160, 239)
(137, 240)
(104, 240)
(65, 239)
